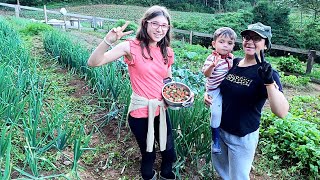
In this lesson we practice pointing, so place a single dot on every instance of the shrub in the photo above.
(36, 28)
(132, 26)
(290, 64)
(315, 74)
(294, 81)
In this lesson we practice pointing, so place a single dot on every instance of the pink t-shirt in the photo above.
(146, 75)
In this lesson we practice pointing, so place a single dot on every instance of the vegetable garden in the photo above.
(47, 132)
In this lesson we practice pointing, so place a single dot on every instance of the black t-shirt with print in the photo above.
(244, 94)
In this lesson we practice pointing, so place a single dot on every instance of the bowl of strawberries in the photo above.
(176, 95)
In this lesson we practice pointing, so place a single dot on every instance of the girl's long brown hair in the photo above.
(143, 36)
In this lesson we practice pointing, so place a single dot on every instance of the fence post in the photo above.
(94, 22)
(310, 62)
(45, 14)
(190, 37)
(17, 10)
(79, 24)
(65, 21)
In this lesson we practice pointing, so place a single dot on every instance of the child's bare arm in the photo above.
(207, 72)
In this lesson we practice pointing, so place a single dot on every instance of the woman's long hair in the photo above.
(143, 36)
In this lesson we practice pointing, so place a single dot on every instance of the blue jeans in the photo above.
(237, 154)
(215, 107)
(139, 127)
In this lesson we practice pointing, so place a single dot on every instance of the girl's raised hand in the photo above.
(116, 33)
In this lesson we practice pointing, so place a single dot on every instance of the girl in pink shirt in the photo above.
(149, 58)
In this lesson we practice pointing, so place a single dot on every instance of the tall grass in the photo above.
(192, 131)
(23, 109)
(5, 151)
(106, 81)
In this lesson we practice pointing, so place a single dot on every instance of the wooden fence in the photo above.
(312, 54)
(95, 20)
(98, 21)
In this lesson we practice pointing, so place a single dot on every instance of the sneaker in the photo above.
(170, 176)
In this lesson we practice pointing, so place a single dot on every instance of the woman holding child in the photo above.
(245, 89)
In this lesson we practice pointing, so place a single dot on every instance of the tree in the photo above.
(313, 5)
(276, 16)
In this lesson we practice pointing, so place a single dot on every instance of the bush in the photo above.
(290, 64)
(132, 26)
(315, 74)
(295, 82)
(36, 28)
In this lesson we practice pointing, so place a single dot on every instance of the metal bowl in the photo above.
(171, 103)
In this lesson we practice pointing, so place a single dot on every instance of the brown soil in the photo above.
(312, 90)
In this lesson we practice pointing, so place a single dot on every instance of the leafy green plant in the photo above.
(294, 81)
(190, 56)
(132, 26)
(192, 134)
(306, 105)
(36, 28)
(315, 73)
(25, 105)
(81, 144)
(290, 64)
(295, 140)
(5, 151)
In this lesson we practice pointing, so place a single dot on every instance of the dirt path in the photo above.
(312, 90)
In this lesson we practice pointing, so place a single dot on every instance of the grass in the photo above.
(52, 94)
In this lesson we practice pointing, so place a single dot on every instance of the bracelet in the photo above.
(105, 41)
